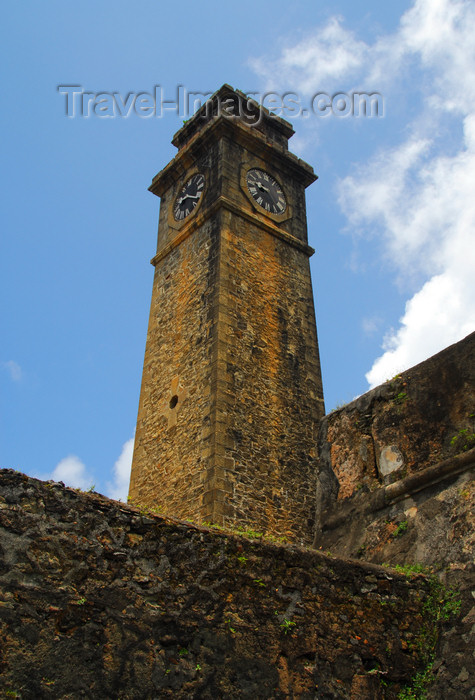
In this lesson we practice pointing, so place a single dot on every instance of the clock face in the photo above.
(188, 197)
(266, 191)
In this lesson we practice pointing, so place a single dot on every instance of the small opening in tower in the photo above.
(173, 401)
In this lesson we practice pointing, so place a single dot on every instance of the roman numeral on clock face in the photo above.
(266, 191)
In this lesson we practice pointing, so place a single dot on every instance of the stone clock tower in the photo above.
(231, 390)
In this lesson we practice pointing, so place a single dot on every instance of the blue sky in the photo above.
(391, 216)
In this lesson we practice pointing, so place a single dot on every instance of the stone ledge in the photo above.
(392, 493)
(247, 136)
(225, 203)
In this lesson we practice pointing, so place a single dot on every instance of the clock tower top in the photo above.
(234, 104)
(231, 113)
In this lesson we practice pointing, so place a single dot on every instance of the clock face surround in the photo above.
(266, 191)
(188, 197)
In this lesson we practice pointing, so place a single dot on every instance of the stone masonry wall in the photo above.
(396, 485)
(413, 421)
(175, 402)
(273, 380)
(102, 600)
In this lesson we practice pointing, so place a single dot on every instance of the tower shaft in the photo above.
(231, 391)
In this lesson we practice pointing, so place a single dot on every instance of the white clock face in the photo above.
(266, 191)
(188, 197)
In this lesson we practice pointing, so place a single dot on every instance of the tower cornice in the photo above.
(225, 203)
(248, 136)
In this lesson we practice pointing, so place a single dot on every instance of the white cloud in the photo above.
(422, 199)
(374, 194)
(14, 370)
(417, 198)
(119, 487)
(328, 54)
(423, 207)
(434, 318)
(371, 325)
(441, 33)
(72, 472)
